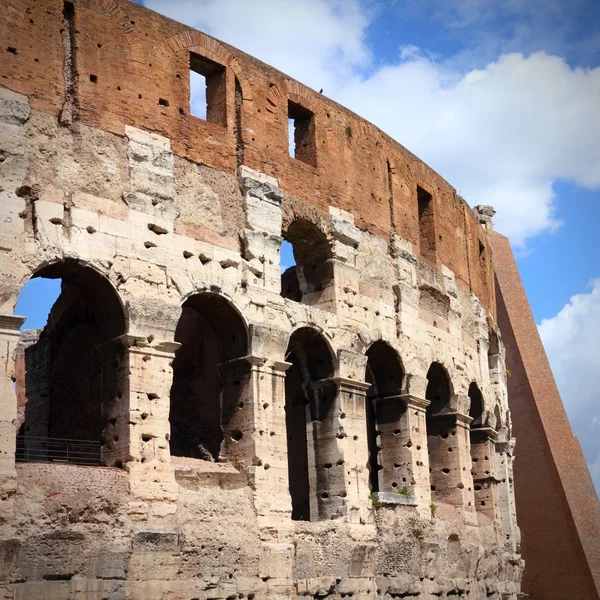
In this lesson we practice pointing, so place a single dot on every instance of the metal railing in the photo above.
(55, 450)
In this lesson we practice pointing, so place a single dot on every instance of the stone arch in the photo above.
(213, 335)
(440, 391)
(72, 392)
(476, 405)
(309, 279)
(309, 398)
(384, 408)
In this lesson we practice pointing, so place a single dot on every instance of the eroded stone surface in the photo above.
(168, 245)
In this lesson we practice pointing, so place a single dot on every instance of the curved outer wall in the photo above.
(104, 169)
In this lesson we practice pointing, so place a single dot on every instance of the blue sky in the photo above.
(502, 98)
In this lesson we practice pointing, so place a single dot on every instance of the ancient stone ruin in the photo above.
(194, 421)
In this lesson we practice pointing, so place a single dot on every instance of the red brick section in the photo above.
(557, 507)
(130, 66)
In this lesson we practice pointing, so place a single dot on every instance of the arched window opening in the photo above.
(384, 412)
(442, 441)
(308, 279)
(69, 393)
(309, 397)
(212, 334)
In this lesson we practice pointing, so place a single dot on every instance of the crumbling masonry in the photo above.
(337, 430)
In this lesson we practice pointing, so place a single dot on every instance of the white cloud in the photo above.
(318, 42)
(501, 134)
(572, 342)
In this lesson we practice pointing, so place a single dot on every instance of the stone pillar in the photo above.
(353, 473)
(403, 440)
(483, 468)
(343, 290)
(450, 459)
(9, 338)
(253, 420)
(269, 469)
(237, 409)
(33, 383)
(507, 513)
(136, 385)
(326, 469)
(262, 235)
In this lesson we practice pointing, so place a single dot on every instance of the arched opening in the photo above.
(442, 441)
(211, 332)
(475, 406)
(384, 409)
(71, 405)
(482, 455)
(308, 278)
(309, 397)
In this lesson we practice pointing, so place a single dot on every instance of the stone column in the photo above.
(9, 338)
(450, 459)
(507, 513)
(353, 473)
(483, 468)
(262, 235)
(326, 470)
(253, 419)
(136, 385)
(403, 441)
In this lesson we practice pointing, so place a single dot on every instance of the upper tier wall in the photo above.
(110, 64)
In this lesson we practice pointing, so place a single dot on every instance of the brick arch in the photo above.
(364, 128)
(199, 43)
(114, 9)
(296, 92)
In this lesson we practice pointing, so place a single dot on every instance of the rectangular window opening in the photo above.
(301, 134)
(426, 224)
(207, 90)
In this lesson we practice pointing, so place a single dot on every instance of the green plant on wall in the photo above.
(375, 502)
(349, 131)
(433, 509)
(405, 491)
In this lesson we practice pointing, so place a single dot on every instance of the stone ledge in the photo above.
(395, 499)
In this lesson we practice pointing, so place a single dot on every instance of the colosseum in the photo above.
(195, 422)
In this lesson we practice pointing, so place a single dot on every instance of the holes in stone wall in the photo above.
(163, 102)
(427, 236)
(207, 89)
(311, 273)
(301, 134)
